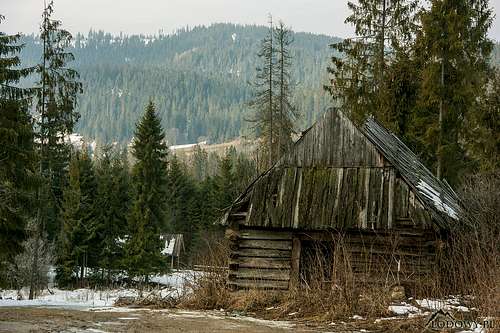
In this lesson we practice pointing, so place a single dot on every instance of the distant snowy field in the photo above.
(173, 285)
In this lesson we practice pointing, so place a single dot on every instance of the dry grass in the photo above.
(469, 263)
(209, 287)
(316, 299)
(330, 290)
(472, 259)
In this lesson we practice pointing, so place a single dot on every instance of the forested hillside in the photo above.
(197, 77)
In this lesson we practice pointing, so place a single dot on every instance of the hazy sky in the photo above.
(148, 16)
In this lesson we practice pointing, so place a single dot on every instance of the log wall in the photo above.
(275, 259)
(260, 259)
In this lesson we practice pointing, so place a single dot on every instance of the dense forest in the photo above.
(96, 214)
(199, 78)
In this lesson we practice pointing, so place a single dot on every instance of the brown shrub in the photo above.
(472, 258)
(208, 286)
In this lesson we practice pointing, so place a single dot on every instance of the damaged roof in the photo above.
(435, 195)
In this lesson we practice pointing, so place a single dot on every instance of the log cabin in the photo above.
(358, 185)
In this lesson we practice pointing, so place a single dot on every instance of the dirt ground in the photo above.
(44, 319)
(38, 319)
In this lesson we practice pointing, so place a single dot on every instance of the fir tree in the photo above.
(57, 93)
(17, 155)
(149, 181)
(454, 50)
(108, 224)
(384, 29)
(263, 101)
(77, 242)
(286, 112)
(56, 100)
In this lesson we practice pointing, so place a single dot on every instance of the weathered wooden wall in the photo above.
(273, 259)
(320, 198)
(334, 141)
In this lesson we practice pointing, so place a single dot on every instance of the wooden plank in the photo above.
(252, 262)
(261, 274)
(265, 234)
(390, 199)
(265, 244)
(336, 205)
(366, 204)
(298, 187)
(295, 262)
(264, 253)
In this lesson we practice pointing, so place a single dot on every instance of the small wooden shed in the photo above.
(174, 247)
(360, 183)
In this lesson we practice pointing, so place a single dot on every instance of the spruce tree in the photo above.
(454, 50)
(263, 101)
(17, 155)
(286, 111)
(359, 73)
(199, 163)
(108, 224)
(77, 248)
(179, 192)
(69, 239)
(58, 89)
(182, 207)
(148, 212)
(56, 100)
(483, 136)
(225, 181)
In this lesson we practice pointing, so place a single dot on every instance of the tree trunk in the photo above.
(271, 92)
(439, 172)
(82, 268)
(34, 267)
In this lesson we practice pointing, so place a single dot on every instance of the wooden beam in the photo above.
(390, 206)
(249, 262)
(265, 244)
(295, 263)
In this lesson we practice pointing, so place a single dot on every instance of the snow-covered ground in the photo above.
(173, 285)
(79, 298)
(425, 308)
(426, 305)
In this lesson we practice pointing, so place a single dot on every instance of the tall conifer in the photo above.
(17, 154)
(149, 183)
(359, 74)
(286, 111)
(454, 50)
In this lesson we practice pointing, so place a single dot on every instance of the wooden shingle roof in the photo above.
(332, 142)
(436, 194)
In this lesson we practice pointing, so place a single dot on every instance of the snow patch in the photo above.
(403, 309)
(440, 304)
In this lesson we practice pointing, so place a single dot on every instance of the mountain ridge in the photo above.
(198, 78)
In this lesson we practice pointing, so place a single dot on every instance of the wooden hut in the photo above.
(360, 183)
(174, 248)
